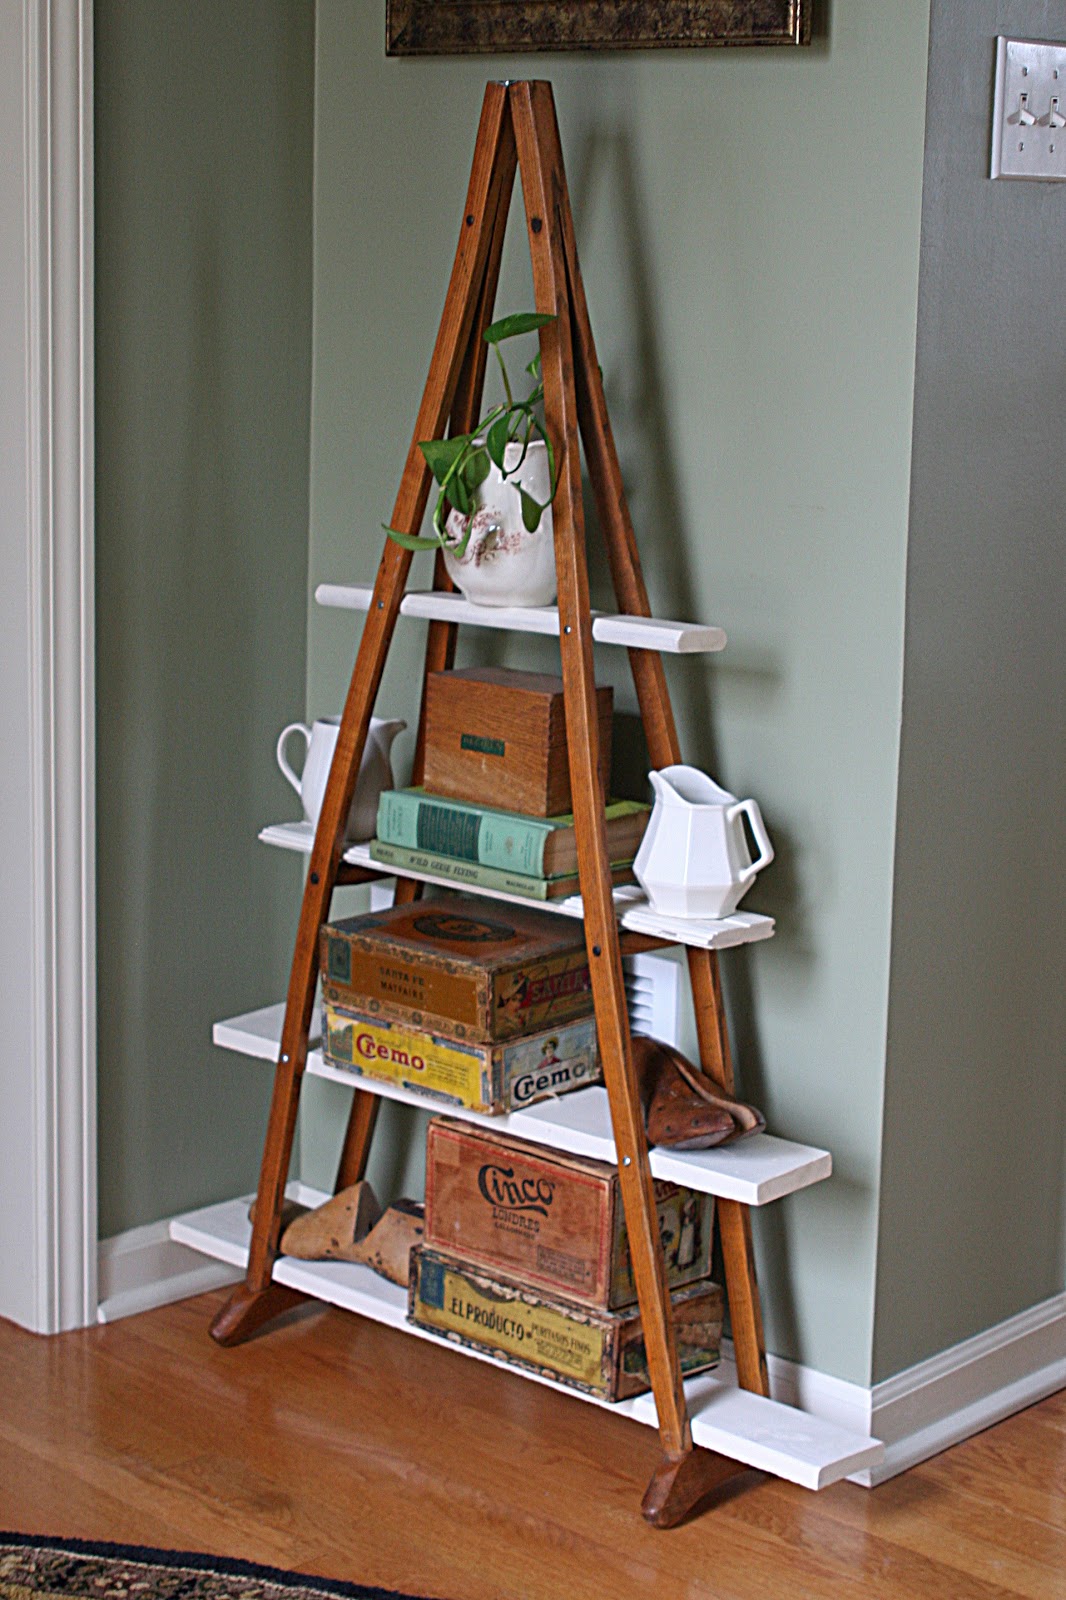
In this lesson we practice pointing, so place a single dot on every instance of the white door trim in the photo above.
(58, 444)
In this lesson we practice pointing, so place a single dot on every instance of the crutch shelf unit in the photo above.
(709, 1427)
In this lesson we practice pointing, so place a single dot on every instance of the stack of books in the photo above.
(482, 848)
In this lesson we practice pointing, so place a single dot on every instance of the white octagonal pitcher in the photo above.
(694, 859)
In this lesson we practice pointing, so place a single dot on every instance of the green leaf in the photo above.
(497, 439)
(553, 480)
(532, 511)
(475, 470)
(442, 454)
(518, 322)
(411, 541)
(520, 463)
(533, 367)
(459, 495)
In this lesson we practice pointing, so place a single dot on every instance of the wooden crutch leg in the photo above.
(257, 1298)
(663, 749)
(534, 120)
(441, 636)
(734, 1219)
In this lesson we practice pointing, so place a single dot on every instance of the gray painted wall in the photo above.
(749, 229)
(975, 1108)
(203, 321)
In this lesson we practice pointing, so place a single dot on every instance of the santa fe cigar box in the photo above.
(459, 967)
(498, 737)
(549, 1219)
(490, 1078)
(601, 1352)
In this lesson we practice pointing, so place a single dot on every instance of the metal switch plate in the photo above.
(1029, 118)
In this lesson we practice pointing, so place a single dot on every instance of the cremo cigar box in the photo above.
(490, 1078)
(551, 1219)
(497, 737)
(459, 967)
(601, 1352)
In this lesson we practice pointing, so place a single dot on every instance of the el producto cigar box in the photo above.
(601, 1352)
(459, 967)
(490, 1078)
(551, 1220)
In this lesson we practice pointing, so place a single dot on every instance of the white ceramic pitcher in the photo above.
(694, 859)
(375, 770)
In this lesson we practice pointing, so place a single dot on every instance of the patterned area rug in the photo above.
(34, 1568)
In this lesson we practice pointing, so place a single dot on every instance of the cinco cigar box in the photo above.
(601, 1352)
(459, 967)
(483, 1077)
(549, 1219)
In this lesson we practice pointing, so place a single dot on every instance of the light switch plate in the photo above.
(1029, 116)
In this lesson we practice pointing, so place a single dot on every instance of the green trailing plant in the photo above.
(460, 464)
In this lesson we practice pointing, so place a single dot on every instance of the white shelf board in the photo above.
(634, 633)
(755, 1171)
(631, 903)
(760, 1433)
(258, 1033)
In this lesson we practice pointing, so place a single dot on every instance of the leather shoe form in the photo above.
(684, 1109)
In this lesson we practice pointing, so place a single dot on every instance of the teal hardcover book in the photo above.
(535, 847)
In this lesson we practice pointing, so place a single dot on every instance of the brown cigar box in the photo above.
(498, 737)
(460, 966)
(551, 1220)
(601, 1352)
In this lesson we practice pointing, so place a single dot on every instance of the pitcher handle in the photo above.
(762, 838)
(287, 772)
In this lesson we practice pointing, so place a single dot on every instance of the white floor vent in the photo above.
(653, 992)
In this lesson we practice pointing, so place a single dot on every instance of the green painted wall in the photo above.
(203, 338)
(974, 1179)
(749, 229)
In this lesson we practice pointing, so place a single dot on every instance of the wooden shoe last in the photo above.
(684, 1109)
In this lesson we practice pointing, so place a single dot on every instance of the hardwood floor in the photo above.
(335, 1446)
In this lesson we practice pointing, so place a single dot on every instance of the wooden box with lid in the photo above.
(498, 737)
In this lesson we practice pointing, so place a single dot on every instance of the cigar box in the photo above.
(601, 1352)
(490, 1078)
(498, 737)
(551, 1220)
(460, 966)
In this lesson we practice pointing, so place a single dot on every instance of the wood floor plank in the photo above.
(963, 1531)
(335, 1446)
(1026, 1460)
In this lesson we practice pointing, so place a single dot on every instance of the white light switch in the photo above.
(1029, 119)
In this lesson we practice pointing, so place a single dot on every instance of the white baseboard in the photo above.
(956, 1394)
(942, 1401)
(143, 1268)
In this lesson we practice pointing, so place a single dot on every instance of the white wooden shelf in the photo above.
(634, 633)
(746, 1427)
(755, 1171)
(631, 903)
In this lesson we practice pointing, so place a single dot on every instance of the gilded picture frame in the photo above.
(481, 27)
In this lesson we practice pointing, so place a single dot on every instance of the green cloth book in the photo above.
(475, 876)
(535, 847)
